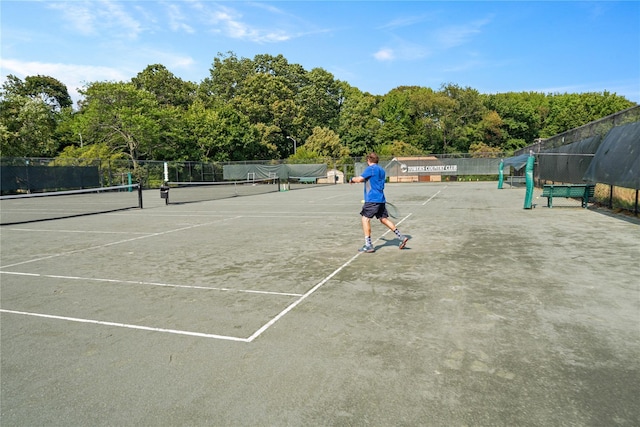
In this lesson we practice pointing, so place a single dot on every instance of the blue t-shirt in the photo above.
(374, 176)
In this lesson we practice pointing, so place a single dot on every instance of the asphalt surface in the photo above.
(259, 311)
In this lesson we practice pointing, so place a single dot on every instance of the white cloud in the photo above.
(403, 22)
(176, 20)
(115, 15)
(91, 18)
(229, 22)
(168, 59)
(77, 16)
(402, 50)
(73, 76)
(384, 54)
(459, 34)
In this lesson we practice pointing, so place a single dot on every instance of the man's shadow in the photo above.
(392, 242)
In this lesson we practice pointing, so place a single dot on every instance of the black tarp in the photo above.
(28, 178)
(568, 163)
(617, 161)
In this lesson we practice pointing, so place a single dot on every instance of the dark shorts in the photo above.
(378, 210)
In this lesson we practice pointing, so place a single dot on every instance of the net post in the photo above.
(140, 195)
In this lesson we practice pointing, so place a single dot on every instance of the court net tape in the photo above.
(34, 207)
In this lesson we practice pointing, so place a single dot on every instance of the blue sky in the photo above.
(503, 46)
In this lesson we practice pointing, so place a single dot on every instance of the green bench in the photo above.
(307, 180)
(581, 191)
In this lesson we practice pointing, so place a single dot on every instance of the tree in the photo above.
(490, 130)
(480, 149)
(320, 98)
(425, 106)
(357, 126)
(326, 143)
(252, 108)
(168, 89)
(397, 149)
(267, 99)
(569, 111)
(29, 115)
(522, 116)
(125, 118)
(223, 134)
(458, 120)
(52, 91)
(227, 77)
(393, 111)
(27, 127)
(88, 154)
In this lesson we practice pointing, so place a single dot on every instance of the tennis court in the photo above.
(259, 310)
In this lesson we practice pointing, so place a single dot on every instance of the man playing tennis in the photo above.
(375, 202)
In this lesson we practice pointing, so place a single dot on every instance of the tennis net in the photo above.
(190, 192)
(34, 207)
(305, 182)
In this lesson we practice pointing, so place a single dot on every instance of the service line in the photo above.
(196, 334)
(113, 243)
(138, 282)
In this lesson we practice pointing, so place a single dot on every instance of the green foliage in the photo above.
(27, 128)
(326, 143)
(481, 149)
(250, 109)
(397, 149)
(319, 100)
(304, 155)
(168, 89)
(51, 91)
(522, 113)
(89, 154)
(357, 126)
(570, 111)
(127, 119)
(29, 115)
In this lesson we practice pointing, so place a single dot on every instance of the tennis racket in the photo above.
(392, 210)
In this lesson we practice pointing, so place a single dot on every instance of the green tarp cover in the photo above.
(282, 171)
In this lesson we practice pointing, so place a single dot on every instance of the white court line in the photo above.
(199, 334)
(136, 282)
(128, 326)
(76, 231)
(113, 243)
(332, 197)
(312, 290)
(430, 198)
